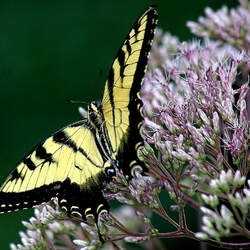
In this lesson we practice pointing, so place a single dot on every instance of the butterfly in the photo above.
(75, 163)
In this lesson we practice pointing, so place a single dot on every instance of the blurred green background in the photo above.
(52, 51)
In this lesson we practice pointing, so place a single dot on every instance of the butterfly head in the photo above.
(93, 107)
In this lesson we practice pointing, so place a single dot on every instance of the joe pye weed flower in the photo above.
(196, 130)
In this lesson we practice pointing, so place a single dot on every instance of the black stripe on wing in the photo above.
(62, 139)
(10, 202)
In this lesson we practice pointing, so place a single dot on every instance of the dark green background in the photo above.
(52, 51)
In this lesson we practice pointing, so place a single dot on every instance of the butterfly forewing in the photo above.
(121, 105)
(70, 154)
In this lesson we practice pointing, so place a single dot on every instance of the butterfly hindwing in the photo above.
(121, 103)
(83, 201)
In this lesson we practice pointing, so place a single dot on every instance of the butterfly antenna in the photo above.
(77, 102)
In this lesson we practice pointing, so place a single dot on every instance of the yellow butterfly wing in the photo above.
(66, 164)
(121, 102)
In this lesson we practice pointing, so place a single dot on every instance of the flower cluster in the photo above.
(193, 112)
(220, 220)
(231, 27)
(196, 131)
(50, 228)
(196, 104)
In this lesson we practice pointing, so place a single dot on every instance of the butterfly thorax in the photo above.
(95, 115)
(97, 121)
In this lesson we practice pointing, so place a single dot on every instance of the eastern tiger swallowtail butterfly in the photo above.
(75, 162)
